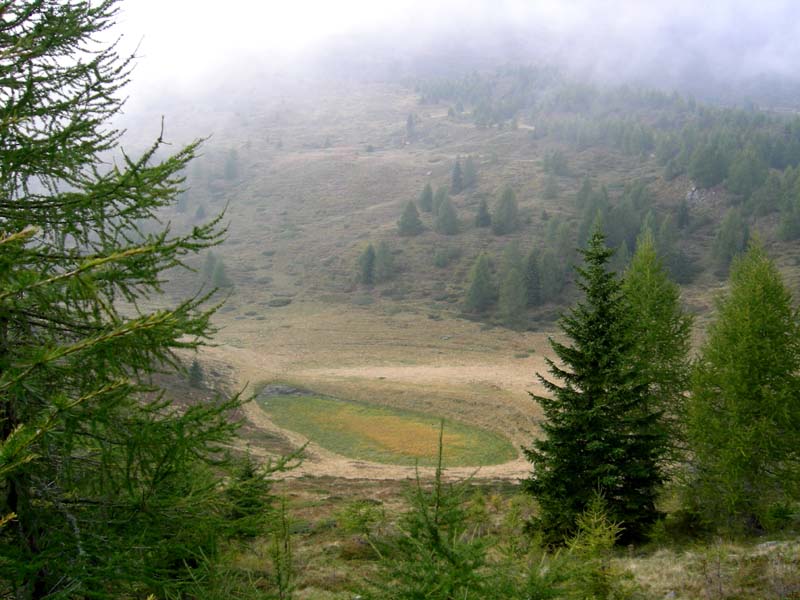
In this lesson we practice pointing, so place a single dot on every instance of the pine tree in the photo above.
(661, 334)
(481, 292)
(366, 266)
(410, 223)
(446, 218)
(384, 262)
(505, 217)
(512, 299)
(744, 417)
(457, 180)
(111, 487)
(600, 435)
(533, 283)
(426, 199)
(482, 217)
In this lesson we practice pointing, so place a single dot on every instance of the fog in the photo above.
(184, 46)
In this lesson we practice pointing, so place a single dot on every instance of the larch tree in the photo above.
(662, 335)
(505, 217)
(744, 414)
(599, 434)
(533, 280)
(426, 198)
(481, 291)
(106, 490)
(512, 299)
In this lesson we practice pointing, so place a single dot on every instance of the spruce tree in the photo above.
(410, 223)
(446, 218)
(600, 435)
(426, 199)
(662, 333)
(481, 292)
(195, 374)
(744, 414)
(366, 265)
(505, 217)
(482, 217)
(114, 491)
(457, 179)
(533, 283)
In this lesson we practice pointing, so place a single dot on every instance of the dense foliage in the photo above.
(603, 432)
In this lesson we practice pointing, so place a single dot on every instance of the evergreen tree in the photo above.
(384, 262)
(709, 164)
(584, 194)
(436, 556)
(661, 334)
(208, 265)
(512, 299)
(481, 292)
(683, 217)
(505, 217)
(411, 129)
(744, 417)
(470, 173)
(747, 173)
(231, 171)
(533, 283)
(731, 239)
(114, 492)
(601, 434)
(550, 189)
(446, 218)
(219, 277)
(440, 196)
(426, 199)
(482, 217)
(366, 266)
(410, 223)
(457, 180)
(195, 374)
(551, 276)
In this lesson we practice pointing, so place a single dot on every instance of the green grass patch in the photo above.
(385, 435)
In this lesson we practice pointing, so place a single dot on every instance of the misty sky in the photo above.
(184, 42)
